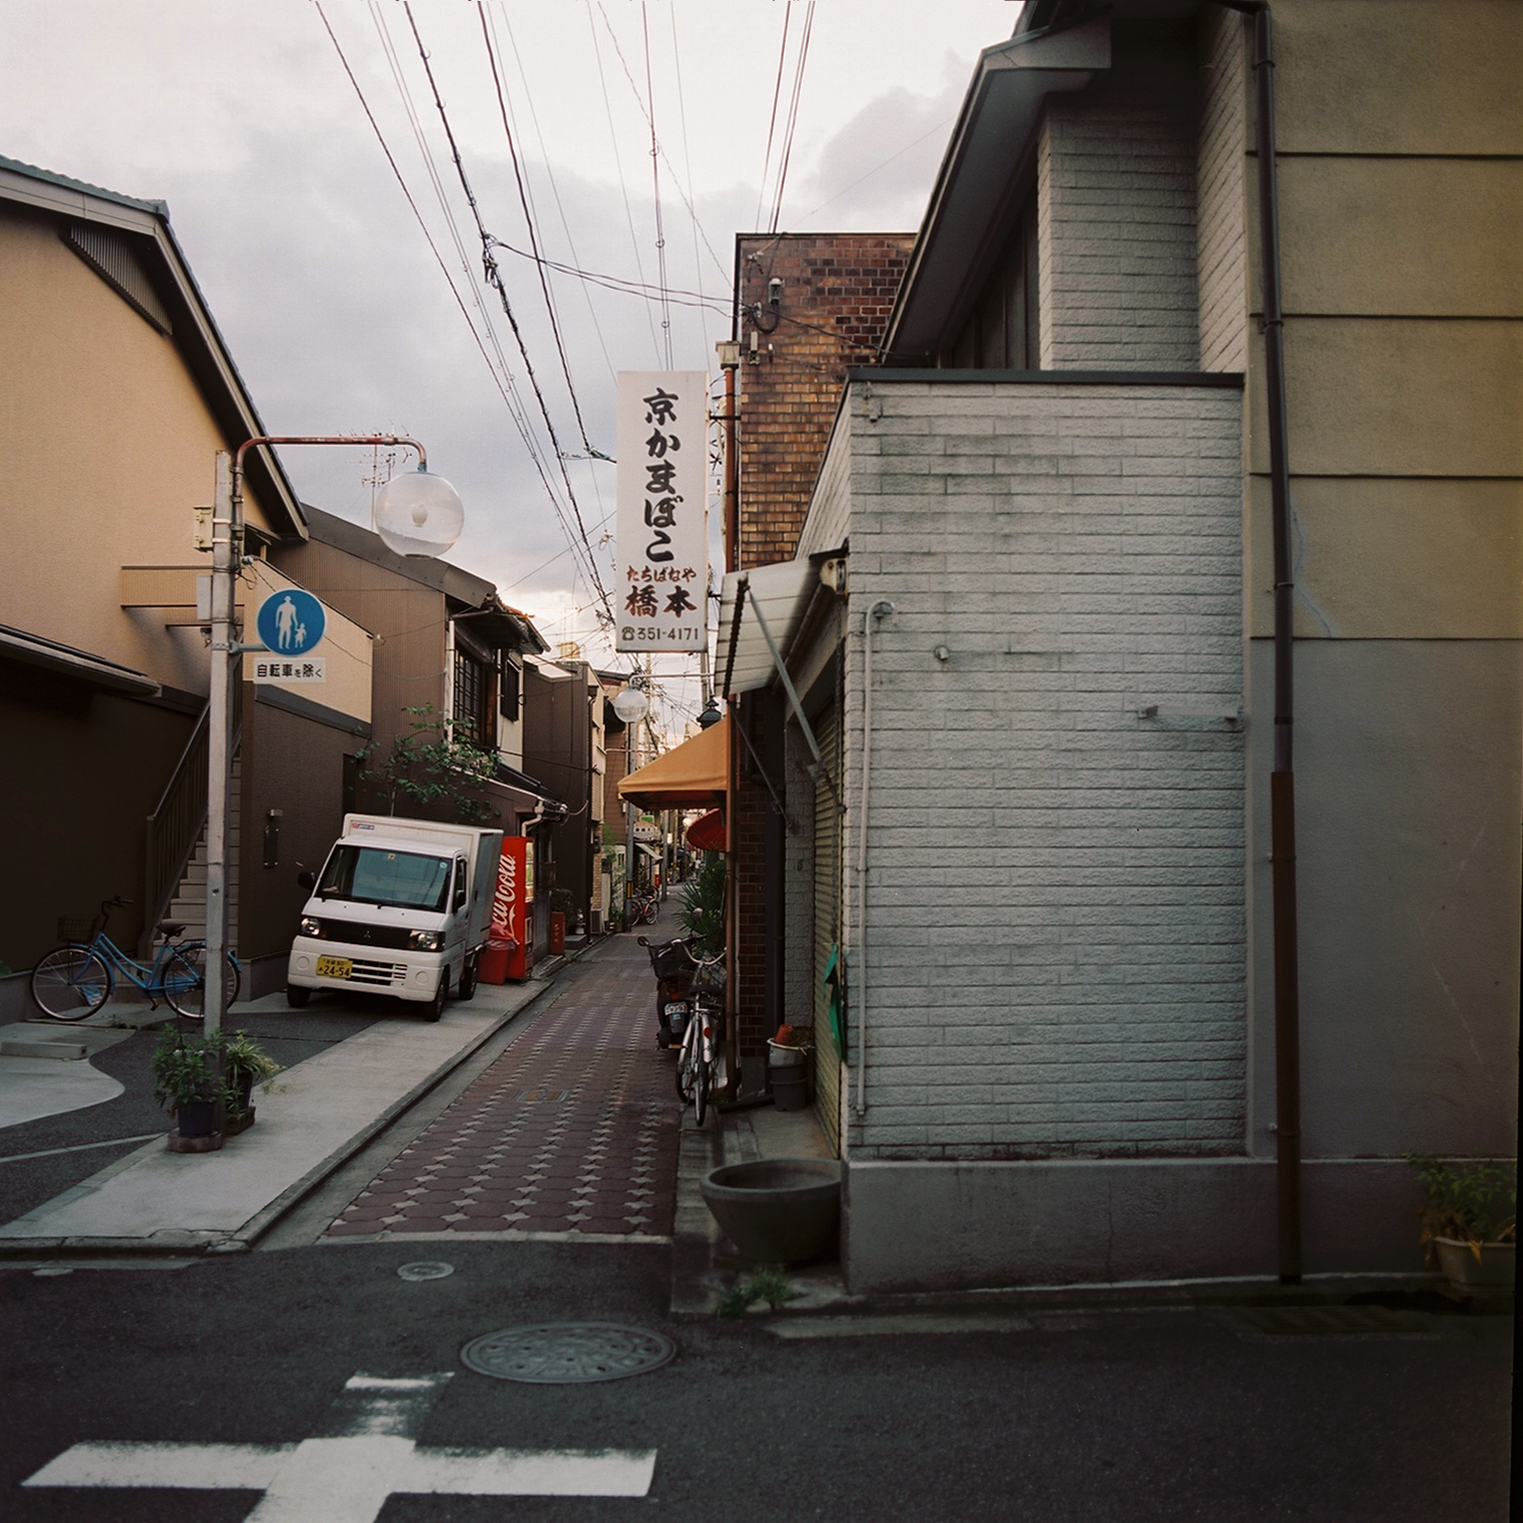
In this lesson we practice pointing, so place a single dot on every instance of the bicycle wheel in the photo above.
(71, 983)
(185, 980)
(700, 1092)
(685, 1055)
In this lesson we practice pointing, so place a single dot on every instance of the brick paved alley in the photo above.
(572, 1130)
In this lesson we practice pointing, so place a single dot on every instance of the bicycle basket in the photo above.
(671, 960)
(709, 979)
(77, 927)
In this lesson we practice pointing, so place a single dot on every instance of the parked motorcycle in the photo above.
(673, 964)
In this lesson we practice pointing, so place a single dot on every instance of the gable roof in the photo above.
(128, 241)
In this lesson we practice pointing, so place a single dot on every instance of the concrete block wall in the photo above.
(1055, 955)
(1116, 223)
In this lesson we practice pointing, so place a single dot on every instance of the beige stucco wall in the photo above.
(345, 649)
(105, 449)
(1400, 230)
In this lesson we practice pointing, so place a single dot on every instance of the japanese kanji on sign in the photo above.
(663, 573)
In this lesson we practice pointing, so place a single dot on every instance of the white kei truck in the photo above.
(401, 907)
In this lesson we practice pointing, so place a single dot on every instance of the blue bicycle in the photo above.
(77, 979)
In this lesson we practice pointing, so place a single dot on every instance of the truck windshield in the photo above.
(371, 875)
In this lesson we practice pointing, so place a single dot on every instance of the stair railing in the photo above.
(176, 824)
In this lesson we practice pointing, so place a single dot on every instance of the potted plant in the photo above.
(185, 1084)
(1469, 1216)
(244, 1064)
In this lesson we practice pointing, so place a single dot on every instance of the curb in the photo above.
(174, 1244)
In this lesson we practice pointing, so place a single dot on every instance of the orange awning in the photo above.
(696, 772)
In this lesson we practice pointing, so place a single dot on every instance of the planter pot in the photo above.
(197, 1119)
(237, 1121)
(777, 1210)
(1494, 1270)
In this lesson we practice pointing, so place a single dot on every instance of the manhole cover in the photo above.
(567, 1353)
(427, 1270)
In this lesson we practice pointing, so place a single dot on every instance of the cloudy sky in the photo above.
(350, 291)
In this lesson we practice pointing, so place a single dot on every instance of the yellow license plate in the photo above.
(334, 967)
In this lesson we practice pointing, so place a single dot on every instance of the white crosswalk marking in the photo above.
(347, 1477)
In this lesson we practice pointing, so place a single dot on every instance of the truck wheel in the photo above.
(467, 987)
(435, 1007)
(296, 997)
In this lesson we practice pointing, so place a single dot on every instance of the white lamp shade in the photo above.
(418, 513)
(631, 705)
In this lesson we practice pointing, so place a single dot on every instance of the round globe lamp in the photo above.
(418, 513)
(631, 705)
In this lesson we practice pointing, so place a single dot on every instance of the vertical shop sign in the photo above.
(663, 575)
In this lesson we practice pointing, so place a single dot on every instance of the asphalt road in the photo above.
(40, 1159)
(1124, 1416)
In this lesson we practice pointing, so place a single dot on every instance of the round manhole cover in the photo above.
(567, 1353)
(427, 1270)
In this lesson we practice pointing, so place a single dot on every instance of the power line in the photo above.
(494, 277)
(523, 199)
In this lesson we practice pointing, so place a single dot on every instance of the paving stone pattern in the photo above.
(573, 1129)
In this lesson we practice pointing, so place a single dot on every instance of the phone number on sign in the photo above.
(630, 632)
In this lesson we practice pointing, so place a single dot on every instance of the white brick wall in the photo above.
(1055, 956)
(1222, 255)
(1116, 232)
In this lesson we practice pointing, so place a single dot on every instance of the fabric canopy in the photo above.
(696, 772)
(707, 832)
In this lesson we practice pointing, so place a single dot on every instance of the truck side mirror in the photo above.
(306, 879)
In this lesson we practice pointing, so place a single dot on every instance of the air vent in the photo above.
(108, 254)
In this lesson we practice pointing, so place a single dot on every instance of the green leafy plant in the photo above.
(770, 1284)
(702, 911)
(245, 1064)
(184, 1070)
(427, 768)
(1471, 1200)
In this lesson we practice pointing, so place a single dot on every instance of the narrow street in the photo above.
(428, 1337)
(572, 1130)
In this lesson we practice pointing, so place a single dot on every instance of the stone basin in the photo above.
(777, 1210)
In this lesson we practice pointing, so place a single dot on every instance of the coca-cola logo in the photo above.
(505, 899)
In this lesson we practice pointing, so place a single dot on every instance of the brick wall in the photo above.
(1055, 958)
(837, 292)
(1116, 215)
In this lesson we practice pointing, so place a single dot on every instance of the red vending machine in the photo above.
(510, 951)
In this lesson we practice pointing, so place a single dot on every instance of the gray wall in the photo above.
(1055, 954)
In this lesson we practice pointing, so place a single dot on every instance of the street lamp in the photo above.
(421, 517)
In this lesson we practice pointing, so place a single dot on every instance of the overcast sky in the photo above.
(329, 292)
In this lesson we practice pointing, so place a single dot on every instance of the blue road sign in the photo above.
(291, 622)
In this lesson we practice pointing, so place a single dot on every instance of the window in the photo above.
(475, 717)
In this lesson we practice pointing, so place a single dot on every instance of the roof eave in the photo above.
(987, 150)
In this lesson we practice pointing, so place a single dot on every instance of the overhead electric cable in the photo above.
(655, 170)
(793, 114)
(494, 277)
(629, 216)
(777, 95)
(523, 199)
(503, 384)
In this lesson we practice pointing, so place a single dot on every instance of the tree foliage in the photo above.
(428, 771)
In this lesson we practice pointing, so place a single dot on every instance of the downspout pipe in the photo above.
(1282, 791)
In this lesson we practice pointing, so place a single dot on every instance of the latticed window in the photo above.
(475, 711)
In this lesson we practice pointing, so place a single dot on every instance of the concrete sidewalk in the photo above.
(322, 1111)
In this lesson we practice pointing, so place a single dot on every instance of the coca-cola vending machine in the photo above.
(510, 949)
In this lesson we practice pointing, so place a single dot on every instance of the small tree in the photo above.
(431, 770)
(702, 912)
